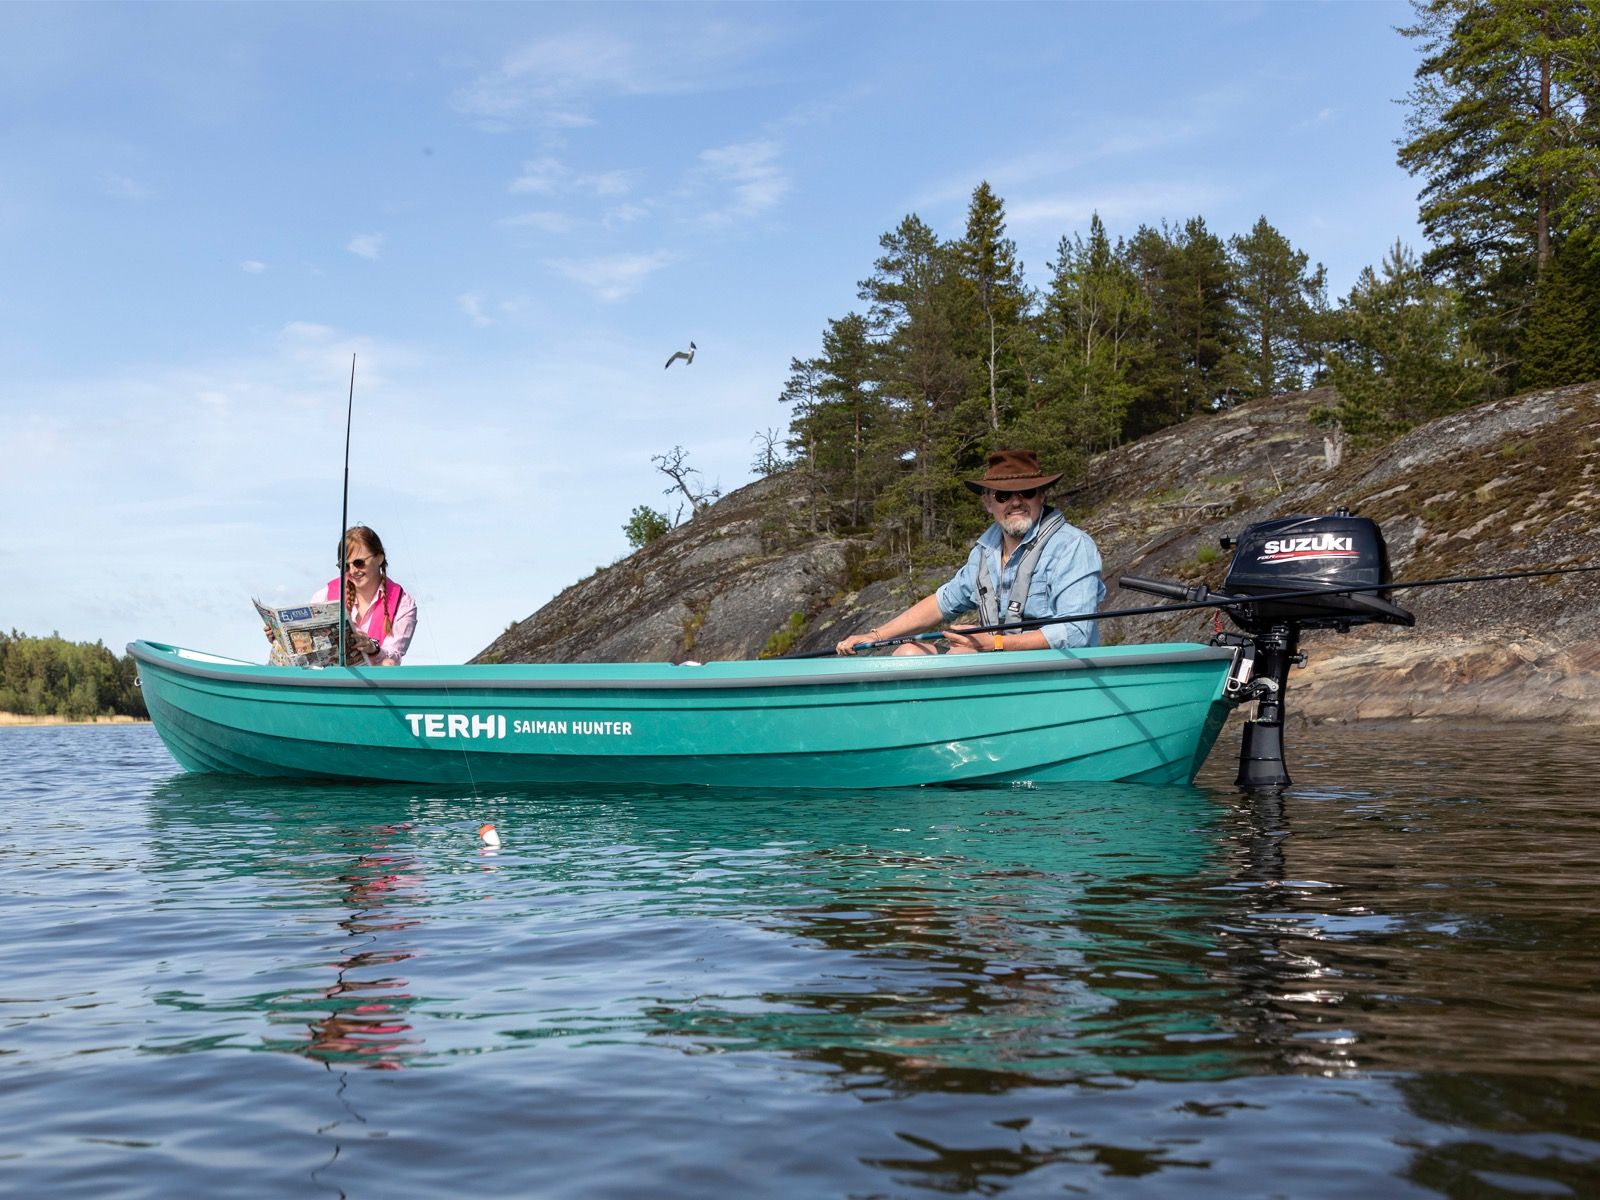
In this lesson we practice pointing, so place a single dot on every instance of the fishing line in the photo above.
(466, 759)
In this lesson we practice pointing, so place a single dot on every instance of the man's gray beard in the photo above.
(1016, 526)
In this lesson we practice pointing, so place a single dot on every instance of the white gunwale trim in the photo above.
(484, 677)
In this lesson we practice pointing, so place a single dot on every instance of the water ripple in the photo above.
(225, 986)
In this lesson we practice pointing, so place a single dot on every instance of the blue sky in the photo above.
(511, 215)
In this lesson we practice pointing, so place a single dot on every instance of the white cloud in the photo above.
(366, 245)
(542, 175)
(750, 173)
(1120, 206)
(609, 183)
(612, 276)
(251, 266)
(625, 214)
(554, 81)
(549, 176)
(1097, 143)
(472, 305)
(541, 219)
(124, 186)
(548, 82)
(306, 333)
(322, 351)
(1052, 163)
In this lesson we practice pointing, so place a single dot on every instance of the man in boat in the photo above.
(1030, 563)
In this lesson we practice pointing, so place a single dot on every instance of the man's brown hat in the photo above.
(1012, 471)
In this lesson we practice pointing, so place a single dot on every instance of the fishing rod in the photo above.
(1197, 596)
(344, 512)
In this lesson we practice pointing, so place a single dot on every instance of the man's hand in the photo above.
(961, 642)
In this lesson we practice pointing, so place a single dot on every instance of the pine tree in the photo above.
(1280, 303)
(1156, 380)
(914, 298)
(987, 261)
(808, 434)
(1193, 363)
(1503, 129)
(1404, 356)
(849, 387)
(837, 423)
(1561, 343)
(1094, 320)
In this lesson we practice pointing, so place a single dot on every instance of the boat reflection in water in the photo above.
(950, 939)
(1001, 940)
(350, 885)
(931, 940)
(365, 1019)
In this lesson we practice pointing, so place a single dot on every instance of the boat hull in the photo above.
(1126, 713)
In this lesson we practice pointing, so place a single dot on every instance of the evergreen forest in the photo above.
(51, 677)
(953, 352)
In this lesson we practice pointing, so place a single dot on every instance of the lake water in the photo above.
(1386, 983)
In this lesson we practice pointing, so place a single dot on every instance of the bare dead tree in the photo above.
(675, 466)
(769, 458)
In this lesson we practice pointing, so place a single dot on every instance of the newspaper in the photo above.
(306, 635)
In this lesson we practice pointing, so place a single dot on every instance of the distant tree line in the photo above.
(52, 677)
(953, 354)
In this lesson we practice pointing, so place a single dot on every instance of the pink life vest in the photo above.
(375, 629)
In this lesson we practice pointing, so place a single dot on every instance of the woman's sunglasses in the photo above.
(359, 564)
(1020, 493)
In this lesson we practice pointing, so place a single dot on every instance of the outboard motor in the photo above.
(1299, 555)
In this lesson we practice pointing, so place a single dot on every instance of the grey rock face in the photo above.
(1509, 485)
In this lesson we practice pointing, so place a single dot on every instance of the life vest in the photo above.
(390, 594)
(1016, 600)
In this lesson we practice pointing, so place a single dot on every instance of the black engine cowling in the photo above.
(1299, 554)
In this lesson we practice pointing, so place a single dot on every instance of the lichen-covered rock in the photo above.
(1505, 486)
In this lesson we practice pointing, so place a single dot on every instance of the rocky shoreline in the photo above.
(1509, 485)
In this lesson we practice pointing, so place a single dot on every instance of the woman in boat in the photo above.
(1029, 563)
(383, 614)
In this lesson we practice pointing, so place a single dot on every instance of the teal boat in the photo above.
(1138, 713)
(1132, 713)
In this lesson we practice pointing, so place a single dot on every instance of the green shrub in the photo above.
(784, 638)
(645, 526)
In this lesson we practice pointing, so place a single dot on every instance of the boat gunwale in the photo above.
(170, 658)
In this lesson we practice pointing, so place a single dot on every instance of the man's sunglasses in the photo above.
(1020, 493)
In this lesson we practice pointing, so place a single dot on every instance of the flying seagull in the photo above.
(686, 355)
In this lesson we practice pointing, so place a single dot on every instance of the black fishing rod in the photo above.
(344, 511)
(1197, 596)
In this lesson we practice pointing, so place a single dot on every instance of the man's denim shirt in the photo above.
(1066, 579)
